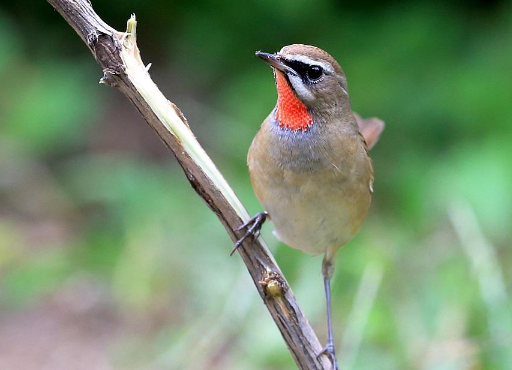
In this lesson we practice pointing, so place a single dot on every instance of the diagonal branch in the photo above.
(118, 55)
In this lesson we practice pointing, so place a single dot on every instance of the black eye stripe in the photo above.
(303, 68)
(299, 67)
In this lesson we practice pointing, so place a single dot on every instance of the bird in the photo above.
(309, 162)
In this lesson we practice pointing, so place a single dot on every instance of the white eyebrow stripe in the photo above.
(307, 60)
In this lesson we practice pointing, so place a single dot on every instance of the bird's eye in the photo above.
(314, 73)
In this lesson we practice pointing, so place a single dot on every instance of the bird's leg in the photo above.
(253, 227)
(327, 272)
(328, 350)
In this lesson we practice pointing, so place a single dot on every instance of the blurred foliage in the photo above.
(106, 253)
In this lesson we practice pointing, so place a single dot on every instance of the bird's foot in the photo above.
(328, 351)
(253, 227)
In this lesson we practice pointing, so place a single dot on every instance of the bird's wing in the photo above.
(370, 128)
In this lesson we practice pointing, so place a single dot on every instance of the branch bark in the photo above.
(118, 55)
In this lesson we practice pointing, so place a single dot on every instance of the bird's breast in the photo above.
(315, 187)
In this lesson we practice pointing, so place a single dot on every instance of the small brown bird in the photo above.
(309, 162)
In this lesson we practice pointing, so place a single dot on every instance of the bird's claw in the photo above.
(253, 226)
(328, 351)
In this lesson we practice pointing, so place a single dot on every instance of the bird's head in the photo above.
(311, 86)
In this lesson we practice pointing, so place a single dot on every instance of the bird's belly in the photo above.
(312, 213)
(315, 185)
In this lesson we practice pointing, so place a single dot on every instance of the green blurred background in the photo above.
(109, 260)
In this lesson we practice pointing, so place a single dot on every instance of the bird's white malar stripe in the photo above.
(307, 60)
(302, 91)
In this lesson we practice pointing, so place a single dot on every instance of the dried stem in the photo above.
(118, 55)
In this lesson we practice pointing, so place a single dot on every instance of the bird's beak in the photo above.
(276, 61)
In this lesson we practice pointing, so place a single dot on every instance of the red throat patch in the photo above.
(291, 113)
